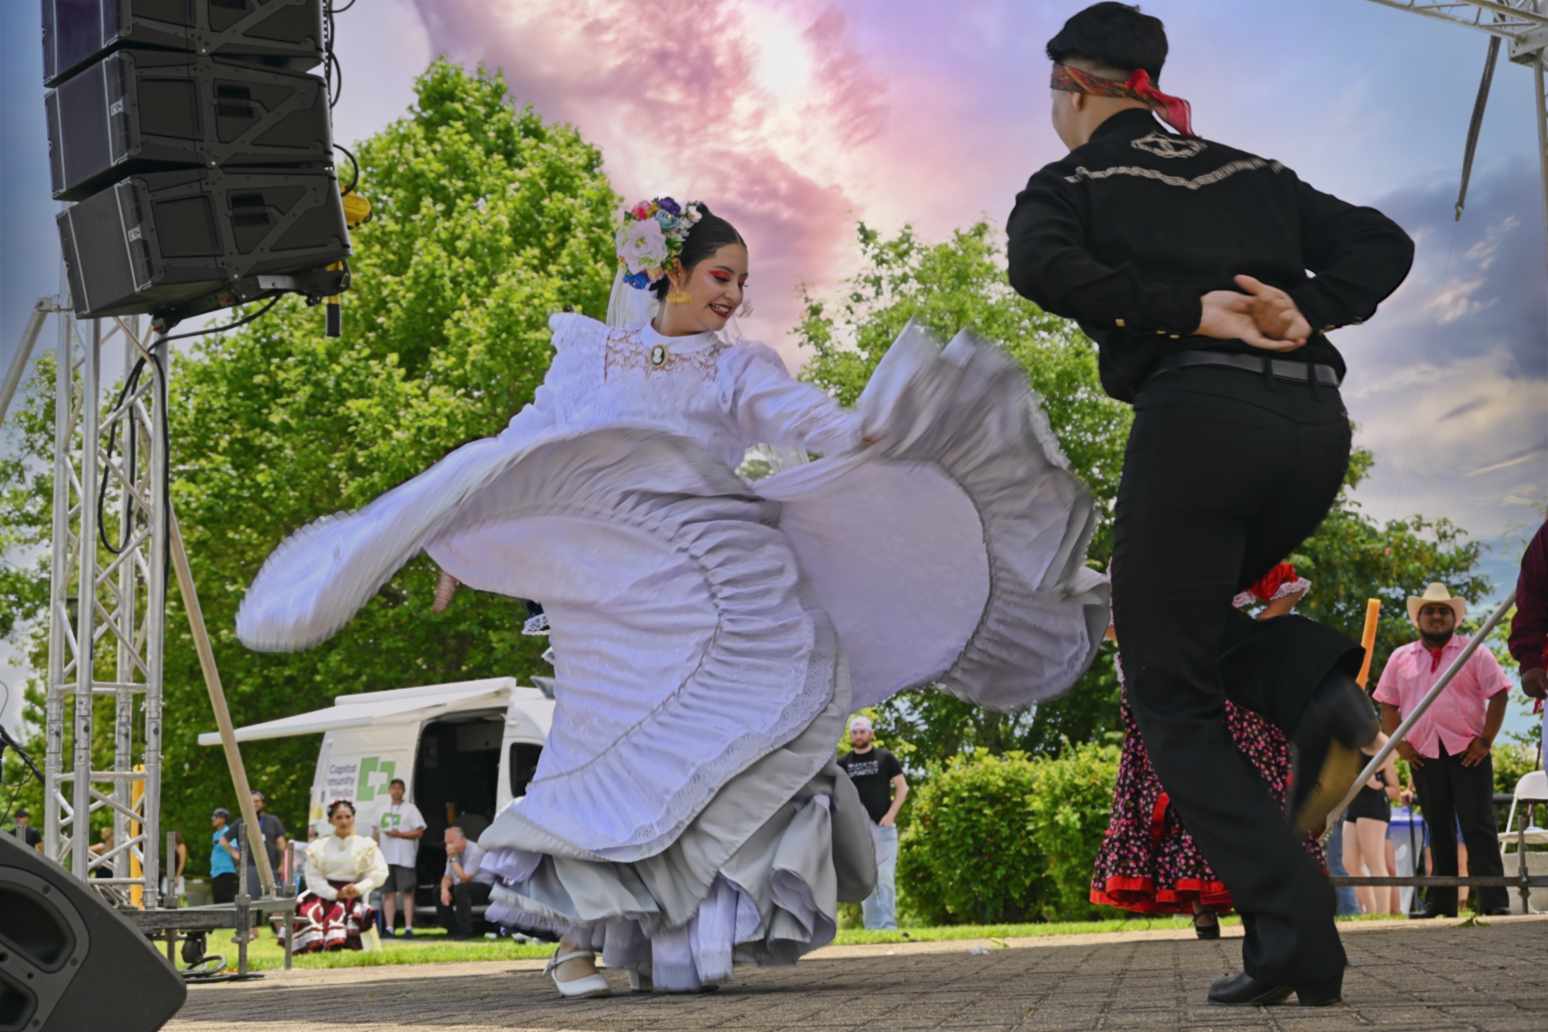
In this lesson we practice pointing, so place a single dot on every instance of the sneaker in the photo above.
(408, 933)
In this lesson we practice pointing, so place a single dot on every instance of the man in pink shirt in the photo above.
(1448, 748)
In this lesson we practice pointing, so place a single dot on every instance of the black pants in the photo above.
(457, 919)
(224, 887)
(1226, 472)
(1451, 793)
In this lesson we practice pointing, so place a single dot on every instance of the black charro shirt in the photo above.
(1128, 231)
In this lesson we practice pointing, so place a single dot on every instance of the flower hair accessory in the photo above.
(650, 237)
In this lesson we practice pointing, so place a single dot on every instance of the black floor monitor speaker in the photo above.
(278, 32)
(151, 110)
(67, 962)
(179, 241)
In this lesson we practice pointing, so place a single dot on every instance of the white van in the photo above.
(464, 749)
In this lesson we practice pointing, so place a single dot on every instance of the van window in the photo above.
(523, 765)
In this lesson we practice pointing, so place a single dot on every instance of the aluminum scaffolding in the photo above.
(107, 603)
(1523, 25)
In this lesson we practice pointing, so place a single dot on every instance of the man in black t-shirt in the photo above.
(274, 844)
(26, 832)
(879, 780)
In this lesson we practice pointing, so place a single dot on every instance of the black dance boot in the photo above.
(1338, 723)
(1245, 991)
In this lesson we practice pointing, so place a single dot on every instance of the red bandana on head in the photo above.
(1174, 111)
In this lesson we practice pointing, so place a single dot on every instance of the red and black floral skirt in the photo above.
(330, 924)
(1148, 862)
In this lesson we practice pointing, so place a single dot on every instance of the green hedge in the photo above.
(1070, 811)
(996, 838)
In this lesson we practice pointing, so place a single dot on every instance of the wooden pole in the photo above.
(228, 740)
(1368, 638)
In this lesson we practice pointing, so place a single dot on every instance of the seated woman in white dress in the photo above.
(341, 871)
(711, 635)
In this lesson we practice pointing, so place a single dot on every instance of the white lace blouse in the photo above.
(356, 859)
(727, 397)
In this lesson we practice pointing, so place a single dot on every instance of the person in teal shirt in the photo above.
(223, 872)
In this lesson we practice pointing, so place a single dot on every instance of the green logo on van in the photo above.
(375, 775)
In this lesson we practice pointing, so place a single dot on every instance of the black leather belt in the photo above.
(1279, 368)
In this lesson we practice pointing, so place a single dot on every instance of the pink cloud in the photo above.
(758, 111)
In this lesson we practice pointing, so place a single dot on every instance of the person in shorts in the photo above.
(398, 830)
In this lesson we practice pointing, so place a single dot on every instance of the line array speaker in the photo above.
(198, 150)
(148, 110)
(287, 33)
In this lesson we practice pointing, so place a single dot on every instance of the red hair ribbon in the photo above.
(1174, 111)
(1272, 581)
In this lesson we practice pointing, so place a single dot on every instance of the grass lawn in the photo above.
(427, 947)
(430, 945)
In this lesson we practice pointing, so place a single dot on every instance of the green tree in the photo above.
(486, 219)
(968, 856)
(1069, 817)
(1352, 558)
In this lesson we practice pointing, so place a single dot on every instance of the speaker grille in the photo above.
(34, 928)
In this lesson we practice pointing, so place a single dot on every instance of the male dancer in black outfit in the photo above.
(1186, 261)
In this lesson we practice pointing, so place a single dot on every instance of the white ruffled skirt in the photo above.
(711, 636)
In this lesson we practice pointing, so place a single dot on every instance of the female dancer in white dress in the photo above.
(712, 635)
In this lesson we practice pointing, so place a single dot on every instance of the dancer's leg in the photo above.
(1373, 837)
(1202, 511)
(1354, 867)
(1394, 894)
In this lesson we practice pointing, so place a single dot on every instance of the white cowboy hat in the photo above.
(1436, 594)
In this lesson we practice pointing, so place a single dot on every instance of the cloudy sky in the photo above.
(797, 118)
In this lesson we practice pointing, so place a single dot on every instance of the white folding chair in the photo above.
(1531, 789)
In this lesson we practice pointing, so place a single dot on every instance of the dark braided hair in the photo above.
(338, 804)
(707, 236)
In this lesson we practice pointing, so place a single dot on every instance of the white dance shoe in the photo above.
(583, 981)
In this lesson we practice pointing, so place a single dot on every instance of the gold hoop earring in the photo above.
(677, 297)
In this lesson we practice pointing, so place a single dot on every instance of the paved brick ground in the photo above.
(1450, 978)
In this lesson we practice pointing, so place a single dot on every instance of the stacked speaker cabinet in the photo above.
(194, 140)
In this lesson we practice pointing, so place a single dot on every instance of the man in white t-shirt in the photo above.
(398, 829)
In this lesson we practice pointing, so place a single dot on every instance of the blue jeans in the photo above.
(881, 906)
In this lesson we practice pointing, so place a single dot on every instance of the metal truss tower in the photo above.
(107, 604)
(1523, 25)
